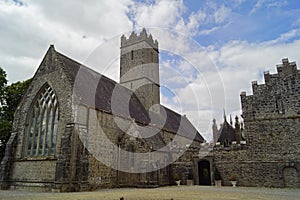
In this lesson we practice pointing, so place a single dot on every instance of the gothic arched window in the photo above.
(43, 121)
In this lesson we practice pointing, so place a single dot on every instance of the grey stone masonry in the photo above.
(270, 156)
(75, 131)
(134, 38)
(139, 68)
(277, 98)
(272, 130)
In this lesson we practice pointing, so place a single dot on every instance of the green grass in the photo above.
(163, 193)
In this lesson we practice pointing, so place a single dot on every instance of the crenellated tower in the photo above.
(139, 68)
(278, 97)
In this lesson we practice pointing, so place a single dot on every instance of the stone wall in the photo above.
(277, 98)
(37, 170)
(274, 139)
(254, 173)
(71, 172)
(105, 136)
(58, 81)
(139, 67)
(272, 131)
(35, 173)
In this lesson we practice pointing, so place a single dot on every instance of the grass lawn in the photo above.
(163, 193)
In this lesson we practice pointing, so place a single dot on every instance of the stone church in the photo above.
(77, 130)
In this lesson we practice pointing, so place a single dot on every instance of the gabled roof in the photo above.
(176, 123)
(227, 132)
(96, 90)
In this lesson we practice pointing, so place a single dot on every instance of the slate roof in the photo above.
(96, 90)
(227, 132)
(176, 123)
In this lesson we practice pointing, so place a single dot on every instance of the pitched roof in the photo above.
(100, 92)
(176, 123)
(227, 132)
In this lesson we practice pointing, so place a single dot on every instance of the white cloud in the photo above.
(286, 36)
(217, 87)
(208, 31)
(268, 4)
(76, 28)
(257, 6)
(277, 3)
(202, 82)
(221, 14)
(164, 13)
(167, 14)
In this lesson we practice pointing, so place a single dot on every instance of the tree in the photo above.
(3, 82)
(13, 96)
(10, 97)
(5, 127)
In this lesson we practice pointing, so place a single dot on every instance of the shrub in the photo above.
(217, 174)
(232, 177)
(176, 177)
(190, 176)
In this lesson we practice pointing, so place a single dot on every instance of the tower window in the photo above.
(43, 121)
(131, 55)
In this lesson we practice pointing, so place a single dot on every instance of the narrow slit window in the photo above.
(131, 55)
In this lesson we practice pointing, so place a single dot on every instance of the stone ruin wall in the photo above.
(272, 114)
(272, 130)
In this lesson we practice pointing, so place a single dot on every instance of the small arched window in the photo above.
(43, 121)
(132, 56)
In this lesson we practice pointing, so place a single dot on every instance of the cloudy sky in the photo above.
(210, 50)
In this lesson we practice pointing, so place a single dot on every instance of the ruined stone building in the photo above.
(270, 154)
(78, 130)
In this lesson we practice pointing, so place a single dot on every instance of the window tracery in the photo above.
(43, 122)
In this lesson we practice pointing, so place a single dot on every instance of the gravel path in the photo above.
(163, 193)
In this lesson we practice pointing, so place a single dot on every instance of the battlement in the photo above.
(278, 97)
(134, 38)
(287, 68)
(283, 70)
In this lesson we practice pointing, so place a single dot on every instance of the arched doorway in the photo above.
(204, 172)
(290, 176)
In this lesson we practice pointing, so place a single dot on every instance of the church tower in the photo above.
(139, 69)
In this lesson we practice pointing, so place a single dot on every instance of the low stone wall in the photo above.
(256, 173)
(34, 174)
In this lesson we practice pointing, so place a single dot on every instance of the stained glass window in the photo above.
(43, 121)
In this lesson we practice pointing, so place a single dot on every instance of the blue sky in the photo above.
(210, 50)
(253, 21)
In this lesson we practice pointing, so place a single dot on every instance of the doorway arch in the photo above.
(290, 177)
(204, 172)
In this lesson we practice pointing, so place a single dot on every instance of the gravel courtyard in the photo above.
(163, 193)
